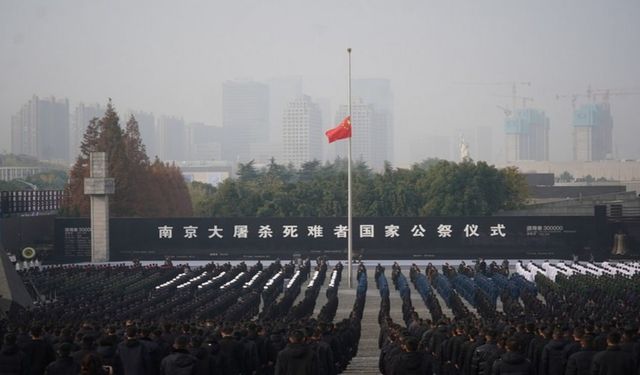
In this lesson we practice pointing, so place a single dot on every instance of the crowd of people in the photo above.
(483, 319)
(173, 320)
(583, 323)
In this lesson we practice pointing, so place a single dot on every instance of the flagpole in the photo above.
(349, 213)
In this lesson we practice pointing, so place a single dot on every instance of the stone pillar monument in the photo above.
(99, 187)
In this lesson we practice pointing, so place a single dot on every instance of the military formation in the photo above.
(579, 324)
(217, 319)
(223, 319)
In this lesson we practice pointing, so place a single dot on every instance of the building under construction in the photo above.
(592, 129)
(527, 135)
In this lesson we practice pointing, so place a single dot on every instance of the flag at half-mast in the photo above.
(342, 131)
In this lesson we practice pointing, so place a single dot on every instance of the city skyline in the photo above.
(187, 147)
(431, 53)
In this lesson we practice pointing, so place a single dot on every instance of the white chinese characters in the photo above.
(165, 232)
(471, 230)
(364, 231)
(367, 231)
(215, 232)
(444, 230)
(498, 230)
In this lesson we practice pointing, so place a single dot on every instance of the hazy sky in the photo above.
(171, 57)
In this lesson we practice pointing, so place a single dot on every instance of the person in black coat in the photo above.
(231, 350)
(536, 345)
(180, 361)
(132, 357)
(326, 363)
(579, 363)
(12, 360)
(205, 364)
(468, 349)
(411, 361)
(297, 358)
(39, 352)
(156, 353)
(65, 364)
(86, 347)
(106, 350)
(481, 360)
(512, 362)
(574, 345)
(612, 361)
(552, 361)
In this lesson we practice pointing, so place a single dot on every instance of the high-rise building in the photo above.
(41, 129)
(377, 93)
(245, 118)
(592, 132)
(80, 119)
(204, 142)
(148, 131)
(302, 132)
(282, 91)
(173, 138)
(368, 134)
(527, 135)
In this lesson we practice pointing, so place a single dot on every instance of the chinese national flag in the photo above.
(343, 130)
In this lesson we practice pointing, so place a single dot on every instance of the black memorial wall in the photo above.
(373, 238)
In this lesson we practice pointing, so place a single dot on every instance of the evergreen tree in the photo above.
(433, 187)
(141, 188)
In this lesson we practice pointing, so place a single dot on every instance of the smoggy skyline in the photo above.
(171, 58)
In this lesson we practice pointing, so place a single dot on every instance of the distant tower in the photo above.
(173, 138)
(245, 118)
(80, 119)
(377, 93)
(367, 132)
(282, 91)
(204, 142)
(592, 132)
(527, 135)
(41, 129)
(302, 132)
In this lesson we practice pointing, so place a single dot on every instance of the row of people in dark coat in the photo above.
(507, 345)
(220, 348)
(246, 349)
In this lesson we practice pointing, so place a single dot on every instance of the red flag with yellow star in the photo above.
(342, 131)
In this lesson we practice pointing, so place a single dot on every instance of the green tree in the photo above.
(565, 177)
(141, 188)
(516, 190)
(467, 188)
(433, 187)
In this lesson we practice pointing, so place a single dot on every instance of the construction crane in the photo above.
(525, 99)
(574, 98)
(507, 111)
(593, 94)
(514, 87)
(608, 93)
